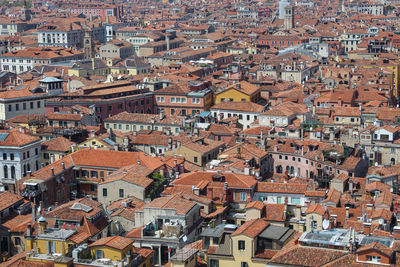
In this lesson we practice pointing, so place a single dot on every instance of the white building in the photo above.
(19, 155)
(247, 112)
(28, 99)
(23, 60)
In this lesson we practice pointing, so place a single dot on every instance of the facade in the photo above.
(247, 112)
(116, 49)
(20, 156)
(26, 59)
(184, 100)
(68, 36)
(127, 122)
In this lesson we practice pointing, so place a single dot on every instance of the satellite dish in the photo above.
(184, 238)
(380, 221)
(325, 224)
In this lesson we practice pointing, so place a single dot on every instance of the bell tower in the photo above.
(88, 44)
(289, 17)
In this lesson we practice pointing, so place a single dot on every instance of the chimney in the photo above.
(161, 115)
(170, 143)
(52, 171)
(33, 213)
(93, 65)
(247, 168)
(347, 213)
(52, 158)
(29, 230)
(334, 218)
(138, 162)
(42, 225)
(63, 165)
(167, 41)
(370, 206)
(367, 228)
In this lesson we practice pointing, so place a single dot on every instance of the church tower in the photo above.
(289, 17)
(26, 13)
(88, 44)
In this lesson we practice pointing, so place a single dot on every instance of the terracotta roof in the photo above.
(307, 256)
(16, 138)
(234, 180)
(255, 204)
(244, 106)
(146, 118)
(176, 202)
(117, 242)
(289, 188)
(378, 247)
(251, 228)
(316, 208)
(60, 144)
(8, 199)
(134, 174)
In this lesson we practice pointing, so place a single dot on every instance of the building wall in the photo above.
(128, 127)
(110, 253)
(362, 256)
(61, 246)
(8, 109)
(245, 255)
(317, 218)
(232, 95)
(245, 118)
(21, 164)
(130, 190)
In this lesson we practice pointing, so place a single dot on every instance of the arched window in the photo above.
(24, 170)
(29, 167)
(12, 172)
(392, 161)
(5, 171)
(279, 169)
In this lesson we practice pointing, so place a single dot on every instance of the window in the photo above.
(38, 104)
(279, 200)
(373, 258)
(195, 159)
(104, 192)
(99, 254)
(5, 168)
(11, 156)
(241, 244)
(13, 172)
(17, 241)
(51, 247)
(121, 193)
(243, 196)
(214, 263)
(244, 264)
(36, 151)
(4, 156)
(295, 200)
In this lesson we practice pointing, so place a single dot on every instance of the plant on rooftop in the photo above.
(157, 187)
